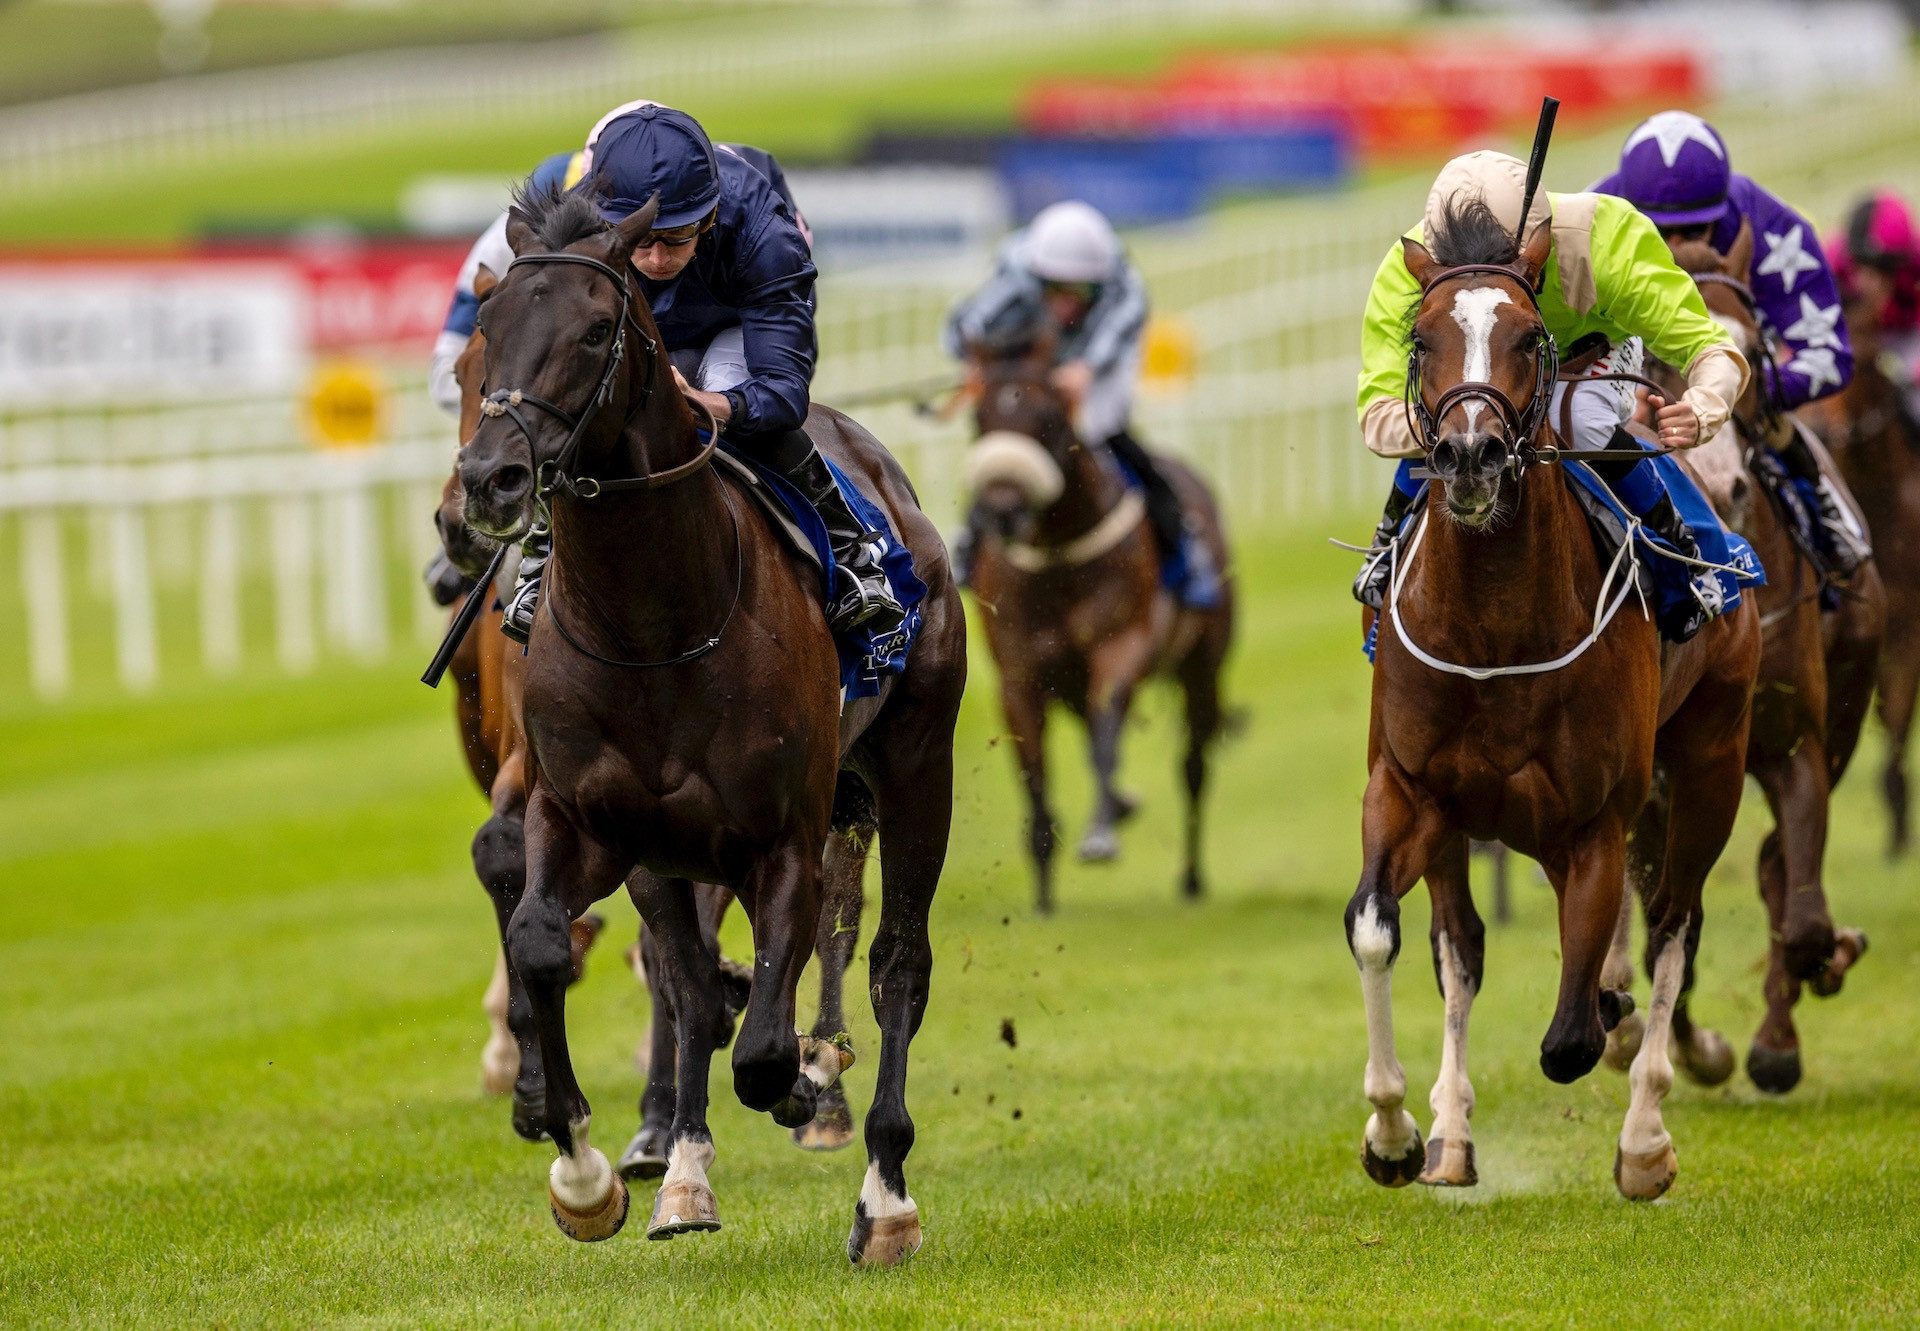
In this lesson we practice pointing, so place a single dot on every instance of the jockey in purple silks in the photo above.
(1674, 167)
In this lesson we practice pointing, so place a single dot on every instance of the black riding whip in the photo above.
(1536, 164)
(462, 621)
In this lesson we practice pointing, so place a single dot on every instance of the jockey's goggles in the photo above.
(675, 236)
(1086, 291)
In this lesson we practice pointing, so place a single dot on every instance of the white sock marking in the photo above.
(1651, 1076)
(1452, 1098)
(583, 1179)
(878, 1201)
(689, 1161)
(1391, 1128)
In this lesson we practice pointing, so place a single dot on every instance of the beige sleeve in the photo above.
(1387, 431)
(1715, 381)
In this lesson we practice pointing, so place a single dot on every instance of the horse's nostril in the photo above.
(511, 481)
(1446, 457)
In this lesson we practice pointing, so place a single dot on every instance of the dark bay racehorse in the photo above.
(1874, 442)
(490, 674)
(1509, 704)
(1816, 678)
(1069, 580)
(682, 705)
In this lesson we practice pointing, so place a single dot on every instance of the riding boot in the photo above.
(1664, 521)
(445, 583)
(517, 622)
(1370, 587)
(1844, 546)
(1173, 535)
(863, 598)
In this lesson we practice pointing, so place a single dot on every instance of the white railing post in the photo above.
(133, 610)
(43, 582)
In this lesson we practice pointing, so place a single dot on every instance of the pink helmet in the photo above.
(1880, 232)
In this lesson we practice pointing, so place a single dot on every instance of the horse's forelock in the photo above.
(557, 217)
(1469, 232)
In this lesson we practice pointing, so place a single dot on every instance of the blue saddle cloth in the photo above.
(1177, 573)
(1664, 579)
(865, 658)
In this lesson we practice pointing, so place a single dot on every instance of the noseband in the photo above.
(1519, 424)
(557, 474)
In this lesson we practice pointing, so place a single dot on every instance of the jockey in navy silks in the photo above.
(728, 273)
(1674, 167)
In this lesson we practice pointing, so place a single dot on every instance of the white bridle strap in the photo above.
(1103, 536)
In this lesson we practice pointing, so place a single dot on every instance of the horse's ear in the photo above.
(1739, 260)
(519, 230)
(1420, 261)
(485, 280)
(1535, 253)
(627, 234)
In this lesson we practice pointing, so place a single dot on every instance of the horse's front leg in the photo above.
(567, 870)
(1402, 831)
(1115, 668)
(1458, 938)
(1590, 885)
(646, 1154)
(500, 863)
(782, 899)
(688, 971)
(1025, 705)
(839, 933)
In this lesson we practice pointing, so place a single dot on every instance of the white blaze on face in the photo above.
(1475, 310)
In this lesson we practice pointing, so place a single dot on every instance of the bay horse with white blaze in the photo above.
(1069, 578)
(683, 707)
(1509, 705)
(1810, 700)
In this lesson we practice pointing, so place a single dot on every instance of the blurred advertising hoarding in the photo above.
(100, 330)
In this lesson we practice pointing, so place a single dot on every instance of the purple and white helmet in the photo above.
(1674, 168)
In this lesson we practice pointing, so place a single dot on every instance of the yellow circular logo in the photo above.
(1168, 354)
(346, 404)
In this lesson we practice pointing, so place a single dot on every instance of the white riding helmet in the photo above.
(1072, 242)
(1497, 179)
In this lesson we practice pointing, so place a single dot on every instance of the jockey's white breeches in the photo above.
(721, 365)
(1602, 406)
(1108, 405)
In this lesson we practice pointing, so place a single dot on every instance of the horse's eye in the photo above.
(1419, 344)
(599, 333)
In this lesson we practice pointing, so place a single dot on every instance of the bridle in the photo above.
(1520, 424)
(557, 474)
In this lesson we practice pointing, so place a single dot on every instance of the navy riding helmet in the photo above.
(643, 148)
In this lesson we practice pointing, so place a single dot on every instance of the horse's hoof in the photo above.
(1192, 886)
(1849, 945)
(530, 1118)
(683, 1208)
(1775, 1071)
(887, 1241)
(1707, 1059)
(1449, 1165)
(1623, 1042)
(796, 1111)
(1616, 1005)
(1394, 1173)
(645, 1156)
(1101, 845)
(1642, 1178)
(595, 1223)
(830, 1129)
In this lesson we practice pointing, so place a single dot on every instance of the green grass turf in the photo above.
(359, 174)
(241, 960)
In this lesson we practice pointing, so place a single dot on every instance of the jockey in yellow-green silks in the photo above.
(1609, 276)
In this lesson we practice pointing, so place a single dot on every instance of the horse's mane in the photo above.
(557, 217)
(1468, 232)
(1697, 256)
